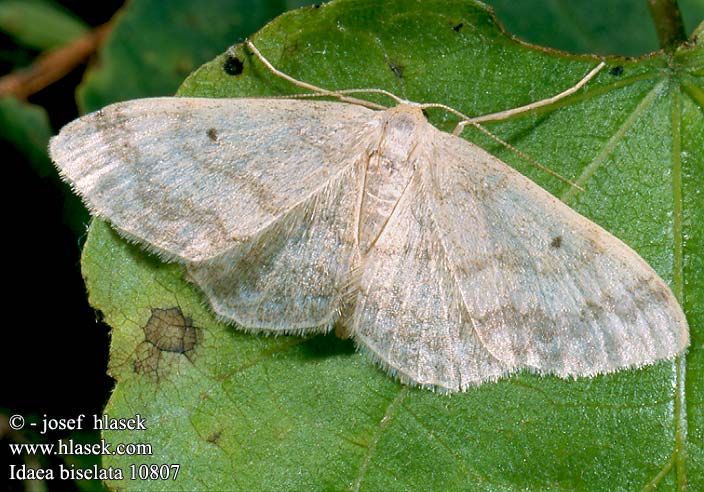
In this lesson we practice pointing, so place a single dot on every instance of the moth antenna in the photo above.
(340, 92)
(466, 120)
(502, 115)
(525, 156)
(321, 92)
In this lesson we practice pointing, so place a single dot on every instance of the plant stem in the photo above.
(668, 23)
(52, 65)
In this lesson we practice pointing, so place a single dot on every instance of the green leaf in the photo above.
(603, 27)
(247, 412)
(27, 128)
(154, 45)
(39, 25)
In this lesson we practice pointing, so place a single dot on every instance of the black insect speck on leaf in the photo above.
(233, 65)
(396, 69)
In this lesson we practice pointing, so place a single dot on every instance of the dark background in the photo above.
(45, 285)
(53, 351)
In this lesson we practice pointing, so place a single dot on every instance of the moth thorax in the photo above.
(389, 167)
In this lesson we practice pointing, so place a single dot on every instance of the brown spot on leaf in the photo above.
(169, 330)
(457, 27)
(616, 71)
(147, 361)
(214, 438)
(168, 335)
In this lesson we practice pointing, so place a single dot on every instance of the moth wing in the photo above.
(191, 177)
(256, 197)
(409, 312)
(291, 276)
(480, 272)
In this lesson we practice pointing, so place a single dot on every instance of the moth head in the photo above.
(404, 128)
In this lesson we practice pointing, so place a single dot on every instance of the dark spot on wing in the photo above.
(233, 65)
(616, 71)
(556, 242)
(458, 27)
(212, 134)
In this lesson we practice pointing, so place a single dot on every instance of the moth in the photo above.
(291, 215)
